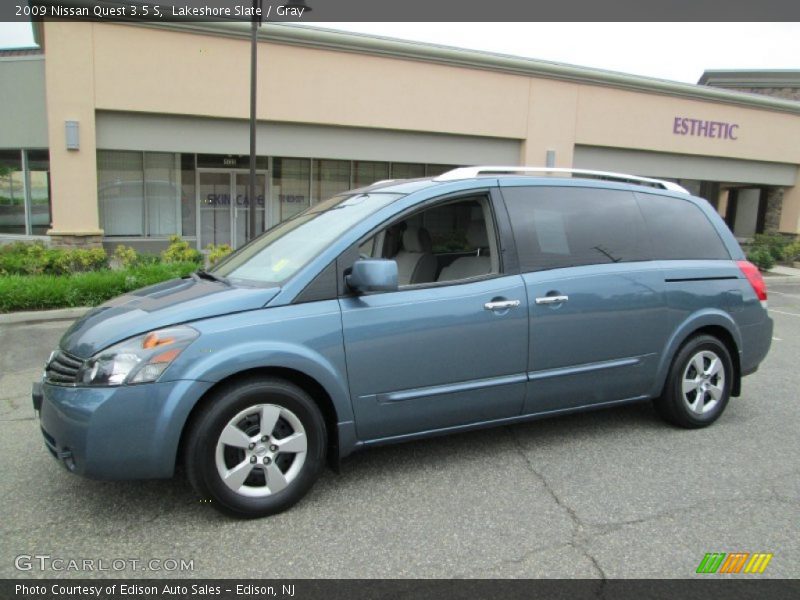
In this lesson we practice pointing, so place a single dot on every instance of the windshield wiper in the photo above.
(203, 274)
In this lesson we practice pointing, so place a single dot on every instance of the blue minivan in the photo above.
(484, 296)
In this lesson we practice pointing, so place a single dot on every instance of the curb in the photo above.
(43, 316)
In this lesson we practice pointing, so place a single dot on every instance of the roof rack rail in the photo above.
(470, 172)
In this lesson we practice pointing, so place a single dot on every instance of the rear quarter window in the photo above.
(557, 227)
(679, 230)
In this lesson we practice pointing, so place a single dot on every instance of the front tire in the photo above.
(699, 384)
(256, 448)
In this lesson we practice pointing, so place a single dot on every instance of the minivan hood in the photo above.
(167, 303)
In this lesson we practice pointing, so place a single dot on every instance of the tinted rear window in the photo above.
(570, 226)
(679, 230)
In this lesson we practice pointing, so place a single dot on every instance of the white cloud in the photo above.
(16, 35)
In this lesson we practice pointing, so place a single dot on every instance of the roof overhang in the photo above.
(315, 37)
(765, 78)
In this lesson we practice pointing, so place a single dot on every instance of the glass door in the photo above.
(223, 199)
(214, 195)
(241, 215)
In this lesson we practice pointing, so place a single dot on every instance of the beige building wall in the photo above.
(623, 119)
(184, 73)
(93, 67)
(790, 211)
(69, 70)
(552, 107)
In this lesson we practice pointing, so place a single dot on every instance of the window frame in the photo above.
(504, 247)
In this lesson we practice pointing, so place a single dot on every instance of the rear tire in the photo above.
(256, 448)
(698, 386)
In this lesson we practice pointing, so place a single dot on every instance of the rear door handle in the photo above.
(552, 299)
(501, 304)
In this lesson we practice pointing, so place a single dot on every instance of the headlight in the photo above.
(138, 360)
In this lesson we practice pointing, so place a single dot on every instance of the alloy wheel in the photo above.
(703, 382)
(261, 450)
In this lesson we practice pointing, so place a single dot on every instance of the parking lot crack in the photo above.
(581, 533)
(595, 564)
(577, 524)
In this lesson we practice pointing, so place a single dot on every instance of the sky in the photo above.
(673, 51)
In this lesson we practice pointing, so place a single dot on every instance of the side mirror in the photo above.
(373, 275)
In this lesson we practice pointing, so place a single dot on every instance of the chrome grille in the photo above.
(63, 369)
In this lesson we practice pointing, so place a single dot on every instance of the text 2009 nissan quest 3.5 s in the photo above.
(483, 296)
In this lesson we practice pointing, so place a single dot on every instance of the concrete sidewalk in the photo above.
(779, 274)
(786, 273)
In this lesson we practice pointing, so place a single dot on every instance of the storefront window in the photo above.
(290, 186)
(407, 170)
(188, 195)
(434, 170)
(331, 177)
(120, 191)
(368, 172)
(163, 192)
(140, 193)
(39, 187)
(12, 193)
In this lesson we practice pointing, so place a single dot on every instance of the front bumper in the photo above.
(125, 432)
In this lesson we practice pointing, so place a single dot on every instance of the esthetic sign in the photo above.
(702, 128)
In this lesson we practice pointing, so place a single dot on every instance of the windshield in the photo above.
(283, 250)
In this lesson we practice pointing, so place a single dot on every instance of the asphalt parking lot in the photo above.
(612, 493)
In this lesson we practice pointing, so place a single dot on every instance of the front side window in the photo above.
(284, 249)
(451, 241)
(557, 227)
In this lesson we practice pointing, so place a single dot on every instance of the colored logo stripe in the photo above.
(758, 563)
(721, 562)
(711, 562)
(734, 562)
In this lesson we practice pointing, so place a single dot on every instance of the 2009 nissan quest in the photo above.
(483, 296)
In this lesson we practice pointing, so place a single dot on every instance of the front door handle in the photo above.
(552, 299)
(501, 304)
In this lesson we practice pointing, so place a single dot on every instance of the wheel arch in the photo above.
(717, 324)
(304, 381)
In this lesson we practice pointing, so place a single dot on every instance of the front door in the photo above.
(223, 197)
(449, 347)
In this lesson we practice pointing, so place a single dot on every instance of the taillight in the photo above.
(756, 280)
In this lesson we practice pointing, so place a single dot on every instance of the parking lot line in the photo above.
(783, 313)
